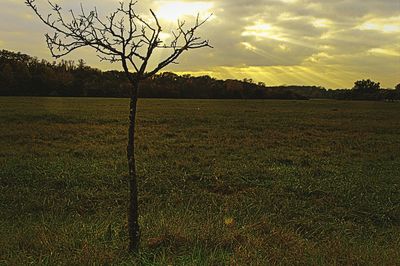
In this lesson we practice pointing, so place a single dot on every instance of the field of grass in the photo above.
(221, 182)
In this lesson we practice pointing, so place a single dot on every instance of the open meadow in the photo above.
(221, 182)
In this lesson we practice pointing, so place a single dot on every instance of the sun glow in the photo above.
(321, 23)
(387, 25)
(383, 51)
(248, 46)
(262, 30)
(279, 75)
(175, 10)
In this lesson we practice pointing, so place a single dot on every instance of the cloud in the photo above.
(276, 41)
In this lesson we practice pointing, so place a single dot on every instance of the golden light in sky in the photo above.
(262, 30)
(321, 23)
(174, 10)
(387, 25)
(305, 42)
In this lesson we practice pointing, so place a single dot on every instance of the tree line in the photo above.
(24, 75)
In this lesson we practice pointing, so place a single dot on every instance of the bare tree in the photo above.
(126, 37)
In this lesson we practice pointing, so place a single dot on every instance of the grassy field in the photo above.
(221, 182)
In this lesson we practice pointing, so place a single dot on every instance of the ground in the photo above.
(222, 182)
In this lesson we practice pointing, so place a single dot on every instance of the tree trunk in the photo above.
(133, 214)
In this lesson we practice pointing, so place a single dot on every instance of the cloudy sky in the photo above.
(329, 43)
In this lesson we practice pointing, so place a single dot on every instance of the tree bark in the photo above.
(133, 214)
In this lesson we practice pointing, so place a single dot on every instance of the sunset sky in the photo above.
(329, 43)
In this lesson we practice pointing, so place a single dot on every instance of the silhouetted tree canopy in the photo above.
(21, 74)
(366, 85)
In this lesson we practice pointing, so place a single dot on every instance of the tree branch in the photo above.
(122, 36)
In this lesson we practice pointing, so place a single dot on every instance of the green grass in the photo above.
(303, 182)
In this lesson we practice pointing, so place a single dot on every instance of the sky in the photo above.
(329, 43)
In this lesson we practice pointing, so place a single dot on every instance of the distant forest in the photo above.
(24, 75)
